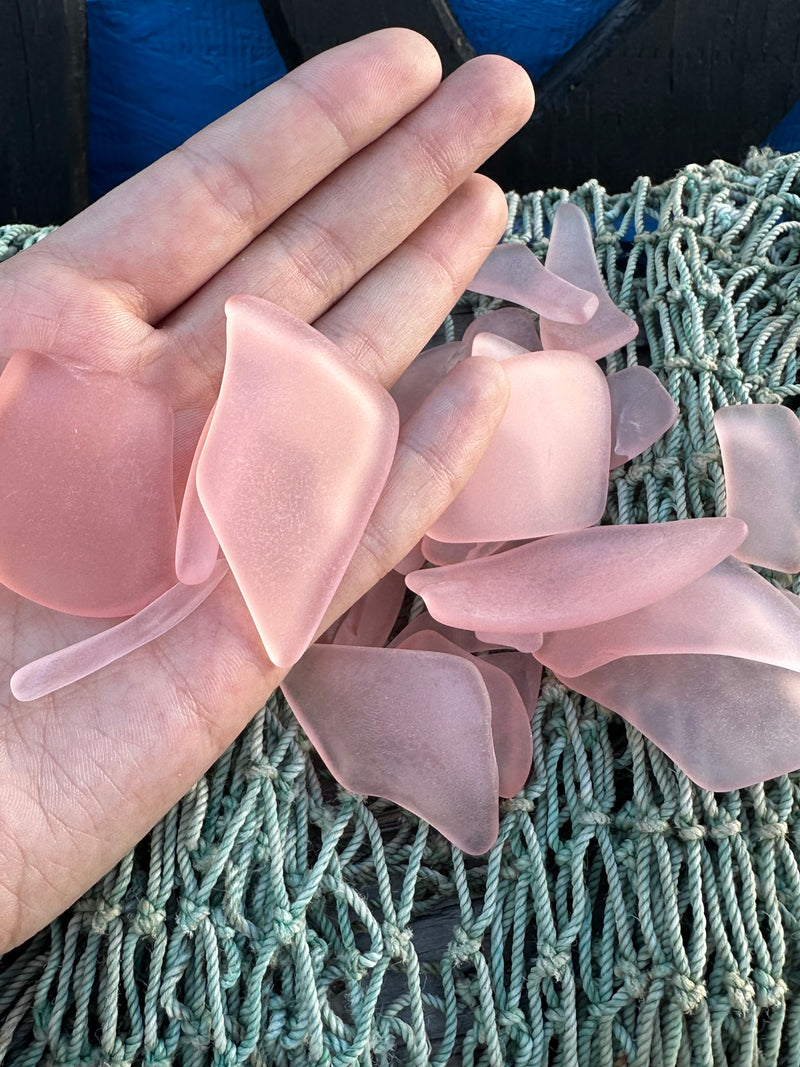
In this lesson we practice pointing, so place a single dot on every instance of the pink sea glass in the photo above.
(522, 642)
(492, 346)
(511, 731)
(70, 664)
(413, 727)
(577, 578)
(571, 256)
(371, 619)
(760, 446)
(514, 324)
(442, 553)
(512, 272)
(197, 547)
(422, 376)
(525, 672)
(466, 639)
(730, 611)
(641, 411)
(546, 468)
(412, 561)
(88, 519)
(728, 722)
(296, 455)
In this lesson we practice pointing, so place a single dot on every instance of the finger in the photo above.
(392, 313)
(103, 779)
(320, 248)
(160, 235)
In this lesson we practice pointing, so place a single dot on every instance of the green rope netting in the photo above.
(625, 917)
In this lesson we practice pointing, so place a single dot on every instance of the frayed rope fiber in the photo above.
(625, 917)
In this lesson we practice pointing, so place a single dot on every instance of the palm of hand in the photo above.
(357, 215)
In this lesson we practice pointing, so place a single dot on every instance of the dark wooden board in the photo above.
(43, 110)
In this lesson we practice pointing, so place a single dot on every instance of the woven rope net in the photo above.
(625, 917)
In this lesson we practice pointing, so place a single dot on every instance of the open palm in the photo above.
(340, 193)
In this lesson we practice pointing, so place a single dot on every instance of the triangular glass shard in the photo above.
(296, 456)
(88, 519)
(641, 411)
(197, 547)
(730, 611)
(728, 722)
(575, 579)
(571, 256)
(760, 446)
(422, 376)
(49, 673)
(546, 468)
(512, 272)
(371, 619)
(413, 727)
(514, 324)
(511, 731)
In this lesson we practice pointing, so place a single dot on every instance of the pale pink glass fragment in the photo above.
(296, 456)
(197, 547)
(466, 639)
(514, 324)
(511, 731)
(641, 411)
(728, 722)
(525, 672)
(578, 578)
(88, 518)
(491, 346)
(413, 727)
(440, 552)
(422, 376)
(512, 272)
(571, 256)
(371, 619)
(412, 561)
(545, 470)
(522, 642)
(760, 446)
(70, 664)
(730, 611)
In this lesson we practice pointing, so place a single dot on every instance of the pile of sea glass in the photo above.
(665, 623)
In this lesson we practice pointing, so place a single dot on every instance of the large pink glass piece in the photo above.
(728, 722)
(70, 664)
(413, 727)
(197, 547)
(546, 468)
(513, 324)
(88, 518)
(296, 456)
(641, 411)
(730, 611)
(511, 730)
(512, 272)
(760, 446)
(578, 578)
(571, 256)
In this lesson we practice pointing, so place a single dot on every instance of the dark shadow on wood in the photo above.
(43, 110)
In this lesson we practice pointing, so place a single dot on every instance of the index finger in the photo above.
(161, 235)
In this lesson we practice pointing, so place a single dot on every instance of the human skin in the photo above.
(345, 192)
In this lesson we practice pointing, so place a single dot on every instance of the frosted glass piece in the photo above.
(511, 731)
(525, 672)
(422, 376)
(70, 664)
(413, 727)
(641, 411)
(296, 456)
(545, 470)
(576, 579)
(490, 346)
(730, 611)
(412, 561)
(760, 446)
(512, 272)
(521, 642)
(371, 619)
(466, 639)
(88, 518)
(514, 324)
(728, 722)
(571, 256)
(197, 547)
(440, 552)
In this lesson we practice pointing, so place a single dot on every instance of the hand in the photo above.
(345, 193)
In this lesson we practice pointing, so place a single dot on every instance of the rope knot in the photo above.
(464, 946)
(396, 940)
(633, 981)
(190, 915)
(148, 919)
(690, 994)
(551, 962)
(104, 914)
